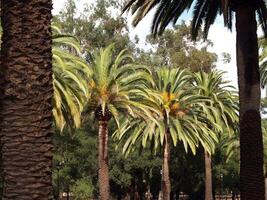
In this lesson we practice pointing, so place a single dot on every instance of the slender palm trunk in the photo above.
(26, 93)
(251, 143)
(103, 176)
(208, 176)
(166, 184)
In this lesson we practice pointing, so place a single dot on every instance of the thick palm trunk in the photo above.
(26, 92)
(166, 184)
(265, 181)
(208, 176)
(103, 176)
(251, 143)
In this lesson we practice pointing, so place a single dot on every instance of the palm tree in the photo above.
(177, 117)
(221, 109)
(70, 74)
(205, 13)
(26, 96)
(113, 88)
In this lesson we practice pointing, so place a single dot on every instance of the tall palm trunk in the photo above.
(26, 93)
(251, 143)
(166, 184)
(265, 186)
(208, 176)
(103, 175)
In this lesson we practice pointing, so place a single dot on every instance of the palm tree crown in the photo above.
(176, 111)
(115, 84)
(204, 12)
(223, 105)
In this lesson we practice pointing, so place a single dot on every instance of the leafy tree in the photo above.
(175, 48)
(222, 110)
(74, 161)
(205, 13)
(134, 176)
(177, 117)
(97, 26)
(114, 86)
(82, 189)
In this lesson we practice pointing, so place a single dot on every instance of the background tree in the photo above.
(97, 26)
(175, 48)
(26, 92)
(251, 175)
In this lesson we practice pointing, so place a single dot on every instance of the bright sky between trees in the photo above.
(223, 39)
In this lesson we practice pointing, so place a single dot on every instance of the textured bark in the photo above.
(265, 181)
(208, 177)
(103, 175)
(26, 92)
(166, 184)
(251, 144)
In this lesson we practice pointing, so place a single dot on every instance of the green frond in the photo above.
(70, 74)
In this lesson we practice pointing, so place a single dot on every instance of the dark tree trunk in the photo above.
(166, 184)
(265, 181)
(26, 93)
(103, 175)
(251, 143)
(208, 176)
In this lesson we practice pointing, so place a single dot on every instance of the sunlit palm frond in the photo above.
(223, 105)
(70, 81)
(116, 85)
(175, 109)
(204, 13)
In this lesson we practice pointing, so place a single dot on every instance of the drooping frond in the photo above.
(204, 13)
(70, 73)
(176, 110)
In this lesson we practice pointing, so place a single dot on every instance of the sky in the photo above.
(223, 39)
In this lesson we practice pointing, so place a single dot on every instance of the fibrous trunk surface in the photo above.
(26, 92)
(251, 143)
(103, 174)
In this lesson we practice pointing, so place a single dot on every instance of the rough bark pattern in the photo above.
(103, 175)
(251, 144)
(26, 92)
(166, 184)
(208, 177)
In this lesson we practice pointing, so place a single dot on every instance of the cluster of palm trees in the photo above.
(204, 15)
(159, 107)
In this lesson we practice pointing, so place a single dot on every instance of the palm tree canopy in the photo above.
(69, 80)
(204, 12)
(115, 84)
(176, 111)
(223, 105)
